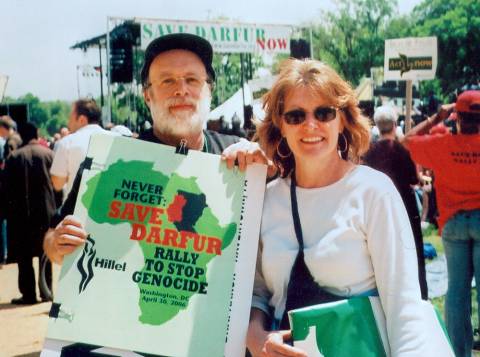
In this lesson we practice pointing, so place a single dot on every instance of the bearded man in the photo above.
(178, 79)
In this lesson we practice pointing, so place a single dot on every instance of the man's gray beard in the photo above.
(184, 124)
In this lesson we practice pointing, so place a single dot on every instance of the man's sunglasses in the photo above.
(298, 116)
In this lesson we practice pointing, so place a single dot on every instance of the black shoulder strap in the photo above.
(296, 218)
(302, 290)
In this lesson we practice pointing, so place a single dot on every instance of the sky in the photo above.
(36, 35)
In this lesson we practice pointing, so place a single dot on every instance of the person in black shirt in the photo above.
(390, 157)
(178, 79)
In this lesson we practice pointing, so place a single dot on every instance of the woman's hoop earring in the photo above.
(281, 155)
(342, 141)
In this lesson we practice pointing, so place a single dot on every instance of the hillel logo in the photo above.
(85, 264)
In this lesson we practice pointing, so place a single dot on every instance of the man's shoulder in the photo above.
(397, 149)
(148, 135)
(219, 142)
(430, 142)
(215, 142)
(37, 149)
(88, 130)
(80, 136)
(28, 151)
(43, 150)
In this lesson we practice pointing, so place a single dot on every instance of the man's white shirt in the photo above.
(70, 153)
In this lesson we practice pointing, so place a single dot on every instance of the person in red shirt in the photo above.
(455, 161)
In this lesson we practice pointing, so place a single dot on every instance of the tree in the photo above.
(58, 112)
(229, 74)
(399, 27)
(456, 24)
(49, 117)
(351, 39)
(37, 113)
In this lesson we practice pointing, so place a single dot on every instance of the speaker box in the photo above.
(18, 112)
(299, 49)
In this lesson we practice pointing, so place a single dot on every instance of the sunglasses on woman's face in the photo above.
(298, 116)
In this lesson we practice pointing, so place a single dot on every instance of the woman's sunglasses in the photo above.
(298, 116)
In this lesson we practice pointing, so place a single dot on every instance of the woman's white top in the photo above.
(357, 237)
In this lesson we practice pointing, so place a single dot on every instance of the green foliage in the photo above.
(399, 27)
(58, 112)
(456, 25)
(430, 235)
(128, 107)
(228, 69)
(260, 93)
(37, 113)
(432, 85)
(49, 117)
(351, 39)
(278, 61)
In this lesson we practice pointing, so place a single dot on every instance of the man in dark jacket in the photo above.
(29, 204)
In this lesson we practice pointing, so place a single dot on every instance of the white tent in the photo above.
(258, 111)
(233, 105)
(264, 82)
(364, 91)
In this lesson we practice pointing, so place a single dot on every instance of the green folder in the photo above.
(356, 327)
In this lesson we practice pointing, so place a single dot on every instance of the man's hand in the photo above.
(64, 239)
(425, 126)
(245, 153)
(444, 112)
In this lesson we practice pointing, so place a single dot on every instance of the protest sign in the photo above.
(168, 266)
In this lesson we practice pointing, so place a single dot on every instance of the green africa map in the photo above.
(158, 273)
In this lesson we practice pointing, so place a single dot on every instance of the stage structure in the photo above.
(126, 38)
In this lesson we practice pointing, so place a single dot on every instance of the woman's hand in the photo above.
(263, 343)
(275, 345)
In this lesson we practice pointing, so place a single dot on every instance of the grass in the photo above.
(430, 235)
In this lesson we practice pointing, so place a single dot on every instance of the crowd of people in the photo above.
(342, 215)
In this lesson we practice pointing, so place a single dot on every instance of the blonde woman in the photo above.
(330, 227)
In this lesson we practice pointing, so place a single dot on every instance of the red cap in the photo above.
(468, 102)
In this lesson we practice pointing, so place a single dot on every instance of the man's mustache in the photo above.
(172, 102)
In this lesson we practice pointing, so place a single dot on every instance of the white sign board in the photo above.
(412, 58)
(225, 37)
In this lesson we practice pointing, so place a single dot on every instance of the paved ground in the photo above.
(22, 328)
